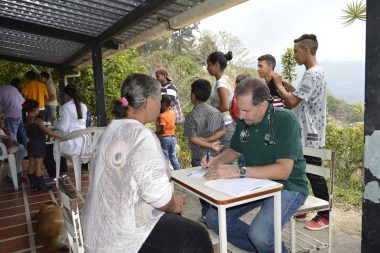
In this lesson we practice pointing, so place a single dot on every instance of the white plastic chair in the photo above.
(69, 205)
(11, 164)
(313, 204)
(89, 137)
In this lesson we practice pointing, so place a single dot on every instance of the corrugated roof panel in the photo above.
(65, 31)
(35, 47)
(87, 17)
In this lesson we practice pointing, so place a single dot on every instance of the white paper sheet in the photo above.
(237, 187)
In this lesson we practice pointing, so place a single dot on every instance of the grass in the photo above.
(348, 196)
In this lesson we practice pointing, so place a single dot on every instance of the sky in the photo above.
(270, 26)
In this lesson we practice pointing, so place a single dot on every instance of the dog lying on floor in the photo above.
(50, 228)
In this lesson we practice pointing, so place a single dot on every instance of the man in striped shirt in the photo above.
(265, 66)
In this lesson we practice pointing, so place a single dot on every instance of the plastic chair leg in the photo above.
(57, 158)
(292, 234)
(13, 170)
(77, 172)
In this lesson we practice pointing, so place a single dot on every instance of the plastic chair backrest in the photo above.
(90, 138)
(69, 205)
(3, 152)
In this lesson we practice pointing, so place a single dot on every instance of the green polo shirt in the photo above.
(277, 136)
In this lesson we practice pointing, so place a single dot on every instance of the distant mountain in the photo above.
(345, 80)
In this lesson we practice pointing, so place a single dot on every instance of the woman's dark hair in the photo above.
(30, 105)
(118, 110)
(220, 58)
(71, 91)
(166, 100)
(136, 89)
(201, 89)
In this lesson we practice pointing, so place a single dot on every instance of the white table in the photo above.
(223, 201)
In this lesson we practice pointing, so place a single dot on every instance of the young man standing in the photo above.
(309, 103)
(265, 66)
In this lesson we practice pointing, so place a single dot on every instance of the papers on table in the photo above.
(237, 187)
(197, 173)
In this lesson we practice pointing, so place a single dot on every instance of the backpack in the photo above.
(234, 111)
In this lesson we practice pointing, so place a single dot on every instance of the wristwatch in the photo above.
(242, 171)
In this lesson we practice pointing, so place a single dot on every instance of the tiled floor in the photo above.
(18, 208)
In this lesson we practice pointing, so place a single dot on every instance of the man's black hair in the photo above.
(269, 59)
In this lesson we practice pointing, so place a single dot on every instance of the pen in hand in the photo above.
(207, 157)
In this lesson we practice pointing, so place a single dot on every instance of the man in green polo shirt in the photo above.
(270, 140)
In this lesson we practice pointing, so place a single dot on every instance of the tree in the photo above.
(206, 44)
(224, 42)
(288, 65)
(162, 43)
(182, 41)
(354, 11)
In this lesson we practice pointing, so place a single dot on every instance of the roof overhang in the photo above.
(64, 33)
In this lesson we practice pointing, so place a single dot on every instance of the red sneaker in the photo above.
(317, 223)
(301, 217)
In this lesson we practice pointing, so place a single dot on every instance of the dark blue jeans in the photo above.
(259, 236)
(168, 147)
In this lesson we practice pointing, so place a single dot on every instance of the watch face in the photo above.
(242, 171)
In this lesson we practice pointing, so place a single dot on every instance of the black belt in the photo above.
(167, 136)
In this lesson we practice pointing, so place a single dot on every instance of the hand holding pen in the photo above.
(206, 160)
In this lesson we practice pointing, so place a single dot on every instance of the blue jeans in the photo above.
(168, 147)
(259, 236)
(16, 128)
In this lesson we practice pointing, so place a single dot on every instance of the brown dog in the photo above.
(50, 228)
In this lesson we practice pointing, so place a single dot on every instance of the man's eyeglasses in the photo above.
(244, 134)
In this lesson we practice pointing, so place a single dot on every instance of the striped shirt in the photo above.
(277, 100)
(203, 121)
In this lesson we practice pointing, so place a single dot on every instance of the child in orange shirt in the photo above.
(165, 131)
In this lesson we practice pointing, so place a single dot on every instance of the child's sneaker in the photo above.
(317, 223)
(301, 217)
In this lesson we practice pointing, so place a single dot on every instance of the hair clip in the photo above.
(124, 101)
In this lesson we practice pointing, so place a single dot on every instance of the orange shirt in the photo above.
(168, 119)
(35, 90)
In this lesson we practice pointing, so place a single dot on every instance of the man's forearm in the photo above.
(280, 170)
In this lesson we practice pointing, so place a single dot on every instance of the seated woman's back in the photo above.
(72, 117)
(129, 171)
